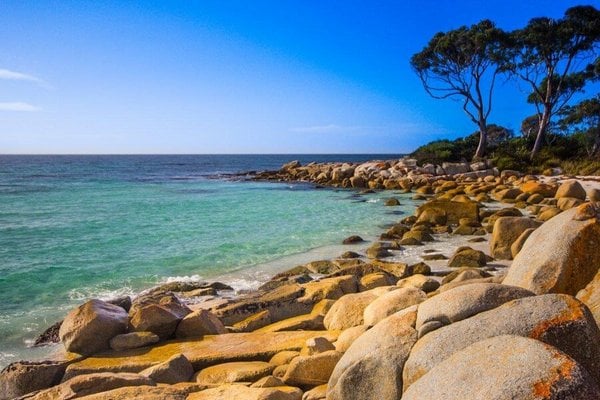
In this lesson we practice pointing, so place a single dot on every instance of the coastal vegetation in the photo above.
(555, 59)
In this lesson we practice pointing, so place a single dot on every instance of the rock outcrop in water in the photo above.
(469, 326)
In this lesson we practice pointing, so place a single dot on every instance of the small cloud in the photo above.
(18, 106)
(17, 76)
(331, 128)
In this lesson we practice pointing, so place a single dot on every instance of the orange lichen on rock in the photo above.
(573, 312)
(543, 389)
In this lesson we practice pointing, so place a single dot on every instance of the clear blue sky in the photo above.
(234, 76)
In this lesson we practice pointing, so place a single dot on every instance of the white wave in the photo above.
(184, 278)
(86, 293)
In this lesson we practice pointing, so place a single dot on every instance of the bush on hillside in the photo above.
(566, 151)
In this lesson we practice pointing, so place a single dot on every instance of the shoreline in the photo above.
(283, 302)
(243, 279)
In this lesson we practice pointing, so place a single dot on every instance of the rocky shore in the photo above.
(511, 313)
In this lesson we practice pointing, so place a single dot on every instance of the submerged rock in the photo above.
(353, 239)
(49, 336)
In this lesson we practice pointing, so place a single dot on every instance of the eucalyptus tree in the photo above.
(554, 57)
(463, 64)
(584, 118)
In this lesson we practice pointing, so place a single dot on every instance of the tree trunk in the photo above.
(539, 139)
(481, 148)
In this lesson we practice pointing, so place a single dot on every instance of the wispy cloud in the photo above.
(18, 106)
(18, 76)
(330, 128)
(402, 128)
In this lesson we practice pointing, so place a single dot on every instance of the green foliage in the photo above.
(555, 58)
(461, 149)
(463, 64)
(514, 152)
(440, 151)
(583, 120)
(581, 167)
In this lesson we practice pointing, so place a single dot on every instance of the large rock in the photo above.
(86, 385)
(392, 302)
(290, 165)
(311, 370)
(307, 322)
(329, 288)
(467, 257)
(176, 369)
(420, 282)
(571, 188)
(241, 371)
(590, 296)
(199, 323)
(556, 319)
(561, 256)
(281, 302)
(159, 314)
(455, 168)
(463, 274)
(210, 350)
(144, 392)
(349, 309)
(240, 392)
(372, 367)
(566, 203)
(593, 194)
(535, 187)
(316, 393)
(463, 302)
(504, 368)
(517, 245)
(133, 340)
(23, 377)
(348, 337)
(454, 210)
(89, 328)
(506, 231)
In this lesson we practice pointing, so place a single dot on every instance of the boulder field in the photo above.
(511, 313)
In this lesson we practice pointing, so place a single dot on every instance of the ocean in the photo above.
(79, 227)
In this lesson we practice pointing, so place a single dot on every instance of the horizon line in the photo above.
(197, 154)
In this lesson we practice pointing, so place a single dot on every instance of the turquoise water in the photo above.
(73, 228)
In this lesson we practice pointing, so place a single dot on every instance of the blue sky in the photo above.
(234, 76)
